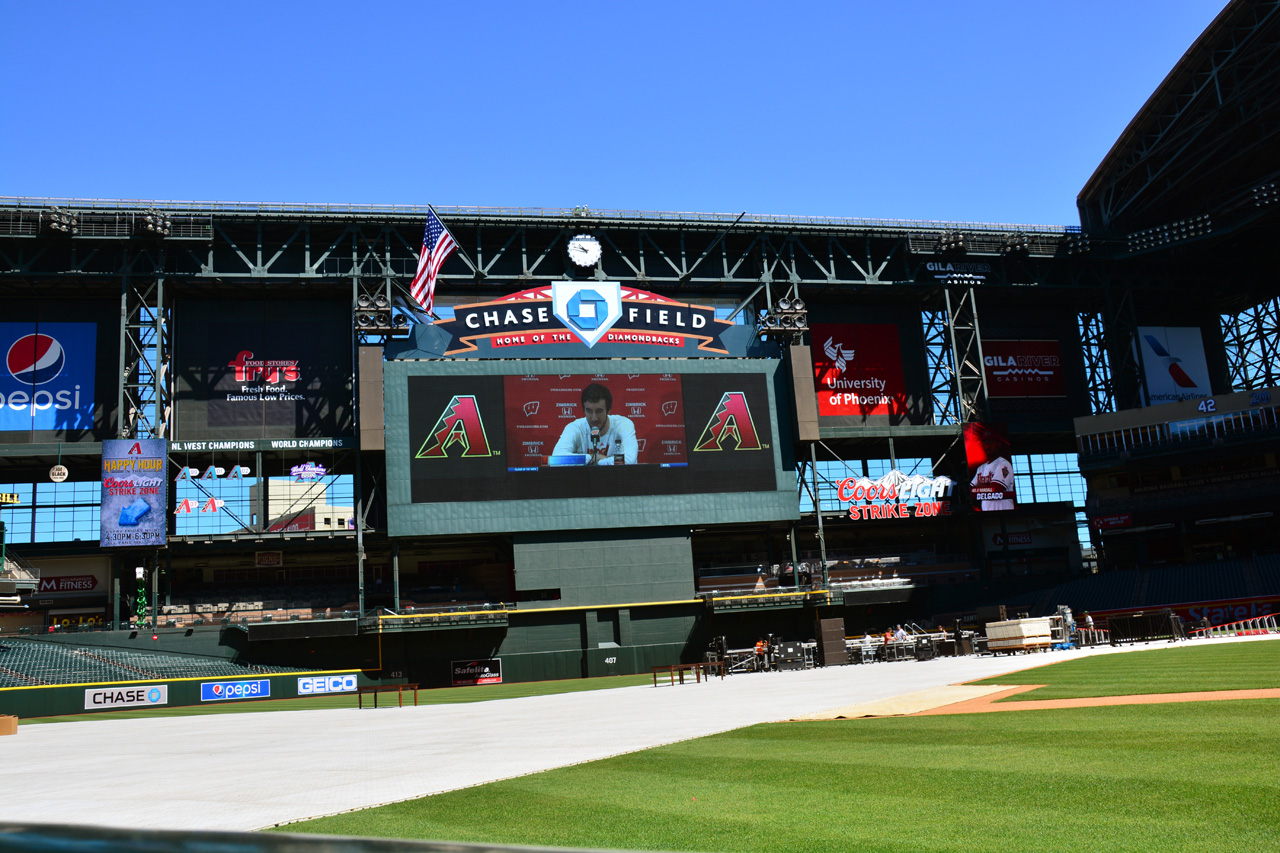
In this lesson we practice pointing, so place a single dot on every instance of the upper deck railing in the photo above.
(574, 214)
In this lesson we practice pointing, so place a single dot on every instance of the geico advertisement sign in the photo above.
(125, 697)
(213, 691)
(317, 684)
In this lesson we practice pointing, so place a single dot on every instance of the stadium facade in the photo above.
(227, 420)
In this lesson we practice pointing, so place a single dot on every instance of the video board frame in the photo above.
(449, 443)
(262, 367)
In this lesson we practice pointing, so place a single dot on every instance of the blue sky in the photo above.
(980, 111)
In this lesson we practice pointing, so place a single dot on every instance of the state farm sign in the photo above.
(69, 583)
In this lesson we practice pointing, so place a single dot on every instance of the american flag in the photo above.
(437, 245)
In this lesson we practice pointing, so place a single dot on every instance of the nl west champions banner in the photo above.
(1173, 363)
(47, 383)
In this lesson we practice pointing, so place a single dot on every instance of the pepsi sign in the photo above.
(214, 691)
(47, 381)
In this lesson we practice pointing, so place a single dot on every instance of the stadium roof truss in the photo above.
(1196, 156)
(234, 242)
(146, 253)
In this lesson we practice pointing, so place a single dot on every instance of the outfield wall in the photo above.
(96, 698)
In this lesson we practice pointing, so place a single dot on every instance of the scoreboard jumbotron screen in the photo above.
(496, 446)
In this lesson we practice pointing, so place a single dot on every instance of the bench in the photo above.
(398, 689)
(675, 670)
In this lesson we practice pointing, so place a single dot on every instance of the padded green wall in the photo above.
(601, 567)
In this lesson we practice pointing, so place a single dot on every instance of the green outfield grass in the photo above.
(1166, 669)
(1156, 777)
(1132, 778)
(437, 696)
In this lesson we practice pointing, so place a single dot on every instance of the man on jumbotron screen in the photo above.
(602, 437)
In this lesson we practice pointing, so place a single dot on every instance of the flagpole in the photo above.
(461, 250)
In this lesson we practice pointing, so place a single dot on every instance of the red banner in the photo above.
(1023, 369)
(857, 370)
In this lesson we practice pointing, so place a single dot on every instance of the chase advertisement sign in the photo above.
(583, 313)
(587, 310)
(99, 699)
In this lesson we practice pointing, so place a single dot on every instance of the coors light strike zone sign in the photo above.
(896, 495)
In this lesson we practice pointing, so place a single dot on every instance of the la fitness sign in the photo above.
(896, 495)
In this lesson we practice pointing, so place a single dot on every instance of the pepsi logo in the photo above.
(36, 359)
(217, 690)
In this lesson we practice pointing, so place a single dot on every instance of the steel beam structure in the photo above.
(1252, 341)
(940, 360)
(1120, 336)
(1095, 347)
(965, 338)
(144, 402)
(225, 250)
(1193, 148)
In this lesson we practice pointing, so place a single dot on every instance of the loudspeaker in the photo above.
(832, 653)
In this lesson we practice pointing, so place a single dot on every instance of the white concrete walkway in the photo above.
(251, 770)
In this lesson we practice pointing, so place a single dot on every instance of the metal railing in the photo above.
(1093, 636)
(1242, 628)
(571, 213)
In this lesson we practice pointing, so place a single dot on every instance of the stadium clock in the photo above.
(584, 250)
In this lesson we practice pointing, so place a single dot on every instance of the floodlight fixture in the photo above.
(154, 223)
(951, 241)
(63, 221)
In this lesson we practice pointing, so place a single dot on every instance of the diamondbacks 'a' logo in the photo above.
(459, 424)
(731, 420)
